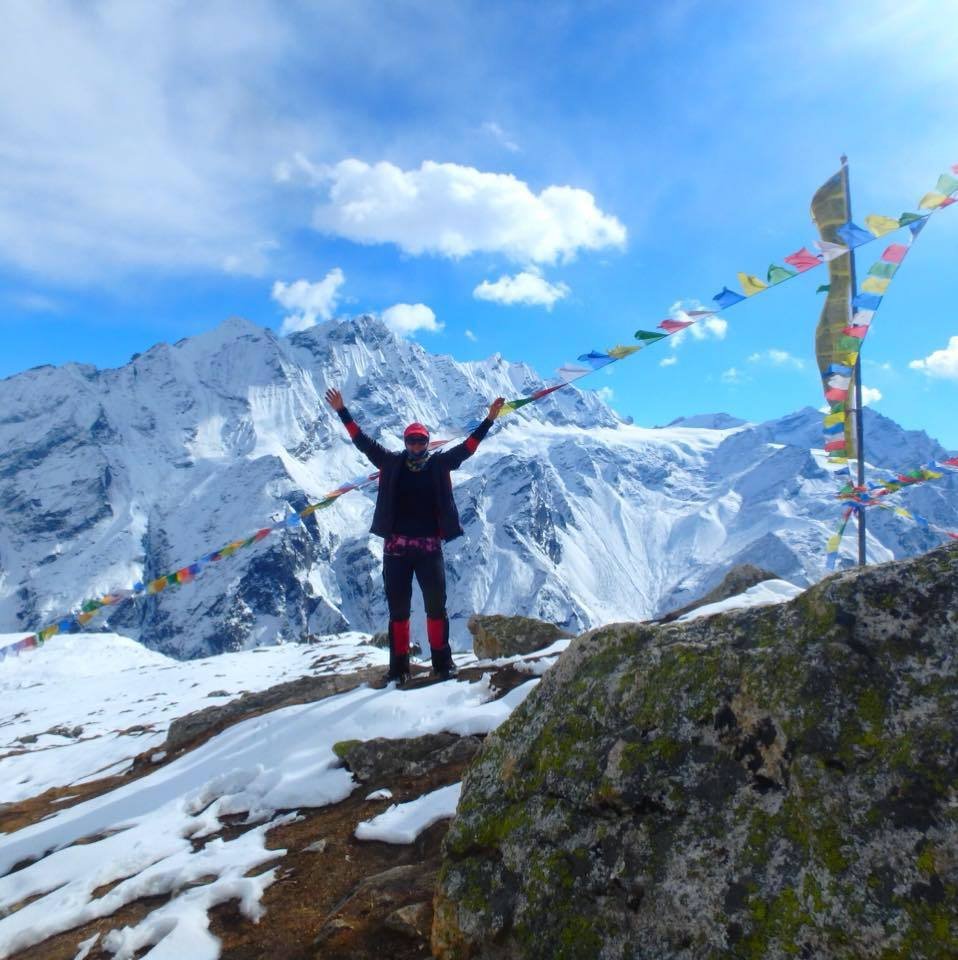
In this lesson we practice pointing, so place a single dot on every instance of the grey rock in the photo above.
(496, 636)
(773, 782)
(187, 730)
(381, 759)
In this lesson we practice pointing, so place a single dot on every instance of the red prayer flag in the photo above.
(895, 253)
(835, 445)
(545, 391)
(860, 331)
(803, 260)
(673, 325)
(834, 395)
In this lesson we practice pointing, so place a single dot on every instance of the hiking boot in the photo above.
(442, 665)
(398, 669)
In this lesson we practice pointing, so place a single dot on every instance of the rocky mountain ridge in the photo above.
(571, 514)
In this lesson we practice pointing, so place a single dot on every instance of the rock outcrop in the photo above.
(736, 581)
(494, 635)
(769, 783)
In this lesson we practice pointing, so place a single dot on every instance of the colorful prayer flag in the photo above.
(725, 298)
(830, 251)
(803, 260)
(673, 326)
(852, 234)
(931, 200)
(946, 184)
(895, 253)
(595, 359)
(777, 274)
(866, 301)
(649, 336)
(751, 284)
(882, 269)
(880, 225)
(875, 284)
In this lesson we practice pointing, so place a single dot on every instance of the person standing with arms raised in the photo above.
(414, 513)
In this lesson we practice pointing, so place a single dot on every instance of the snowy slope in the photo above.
(571, 514)
(146, 836)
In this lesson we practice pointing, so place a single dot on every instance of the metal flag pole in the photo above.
(859, 428)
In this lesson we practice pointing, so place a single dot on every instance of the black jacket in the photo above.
(440, 465)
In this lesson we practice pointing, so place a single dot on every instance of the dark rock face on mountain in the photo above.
(736, 581)
(774, 782)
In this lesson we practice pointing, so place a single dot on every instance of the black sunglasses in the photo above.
(416, 439)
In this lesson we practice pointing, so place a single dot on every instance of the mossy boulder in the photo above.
(494, 635)
(768, 783)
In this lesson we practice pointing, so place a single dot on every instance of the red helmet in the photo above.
(416, 430)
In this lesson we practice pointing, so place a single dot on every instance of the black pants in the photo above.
(429, 570)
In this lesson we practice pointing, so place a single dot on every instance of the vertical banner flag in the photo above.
(830, 215)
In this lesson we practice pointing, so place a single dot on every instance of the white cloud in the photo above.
(709, 328)
(307, 301)
(941, 364)
(777, 358)
(471, 336)
(870, 395)
(454, 210)
(35, 303)
(733, 376)
(497, 133)
(406, 318)
(127, 136)
(527, 288)
(668, 361)
(605, 394)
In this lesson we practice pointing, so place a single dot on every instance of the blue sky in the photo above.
(164, 166)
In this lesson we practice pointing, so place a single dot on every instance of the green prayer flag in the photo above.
(824, 288)
(777, 274)
(947, 184)
(649, 336)
(882, 269)
(849, 343)
(907, 218)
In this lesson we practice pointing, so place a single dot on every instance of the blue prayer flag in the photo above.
(854, 235)
(866, 301)
(595, 359)
(727, 297)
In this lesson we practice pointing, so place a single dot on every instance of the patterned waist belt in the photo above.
(398, 544)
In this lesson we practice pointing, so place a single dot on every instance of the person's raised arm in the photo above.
(462, 451)
(373, 451)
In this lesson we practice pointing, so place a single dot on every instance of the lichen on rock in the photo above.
(766, 783)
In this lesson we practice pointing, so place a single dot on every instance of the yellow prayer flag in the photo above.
(834, 541)
(86, 617)
(880, 225)
(832, 418)
(750, 284)
(876, 284)
(902, 512)
(618, 351)
(931, 475)
(155, 586)
(931, 200)
(507, 407)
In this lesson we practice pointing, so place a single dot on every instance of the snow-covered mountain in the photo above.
(571, 514)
